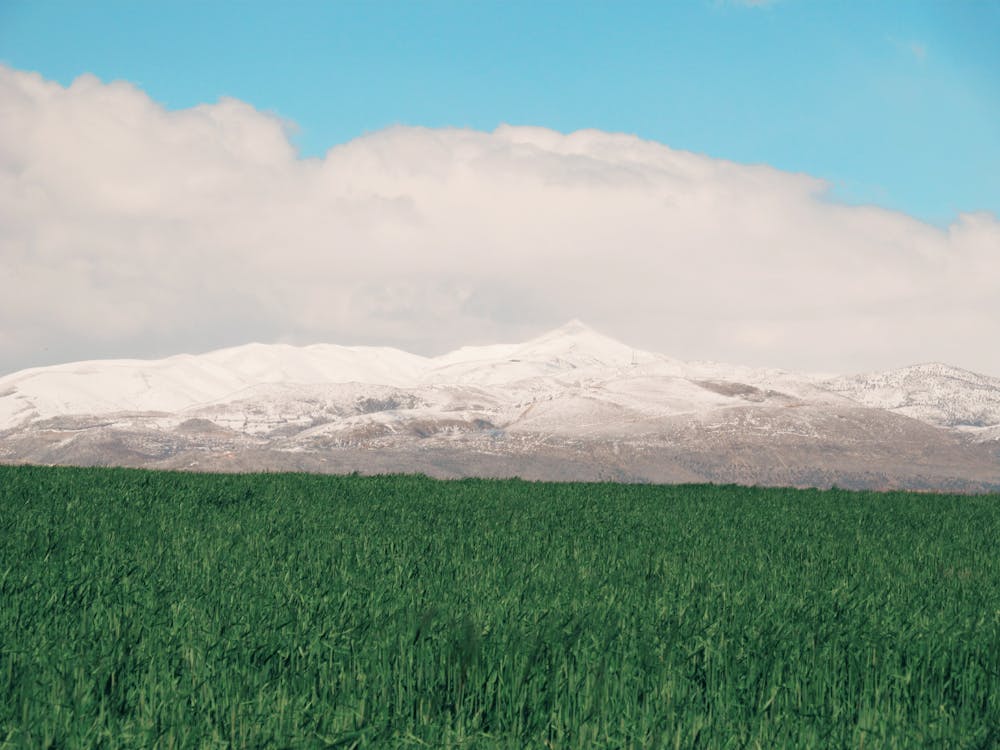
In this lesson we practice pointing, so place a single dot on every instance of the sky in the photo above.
(809, 185)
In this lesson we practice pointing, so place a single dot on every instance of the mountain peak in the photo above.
(577, 344)
(573, 327)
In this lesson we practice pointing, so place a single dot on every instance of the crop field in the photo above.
(143, 609)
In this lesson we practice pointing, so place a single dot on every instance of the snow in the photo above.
(572, 380)
(320, 363)
(934, 393)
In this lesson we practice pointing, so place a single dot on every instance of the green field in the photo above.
(145, 609)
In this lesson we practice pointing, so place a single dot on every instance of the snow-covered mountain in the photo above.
(934, 393)
(572, 403)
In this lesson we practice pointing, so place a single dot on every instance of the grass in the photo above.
(145, 609)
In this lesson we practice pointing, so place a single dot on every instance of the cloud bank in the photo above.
(130, 230)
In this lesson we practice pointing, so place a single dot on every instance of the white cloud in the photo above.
(129, 229)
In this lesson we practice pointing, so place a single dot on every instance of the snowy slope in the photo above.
(934, 393)
(574, 350)
(572, 381)
(99, 387)
(320, 363)
(185, 381)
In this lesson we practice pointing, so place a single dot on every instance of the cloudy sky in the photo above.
(798, 184)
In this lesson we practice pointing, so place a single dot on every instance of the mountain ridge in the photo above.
(572, 400)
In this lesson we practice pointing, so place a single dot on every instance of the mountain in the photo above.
(934, 393)
(570, 404)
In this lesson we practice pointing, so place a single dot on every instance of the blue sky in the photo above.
(895, 103)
